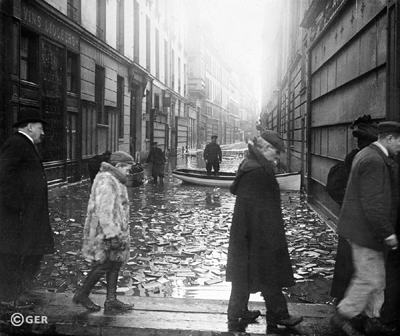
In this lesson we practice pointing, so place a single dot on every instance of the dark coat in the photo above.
(24, 214)
(157, 158)
(212, 153)
(369, 211)
(258, 253)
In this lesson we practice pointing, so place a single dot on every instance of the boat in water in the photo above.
(287, 181)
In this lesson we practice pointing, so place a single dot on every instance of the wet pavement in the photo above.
(176, 272)
(179, 244)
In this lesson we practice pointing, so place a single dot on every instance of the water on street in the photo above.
(179, 244)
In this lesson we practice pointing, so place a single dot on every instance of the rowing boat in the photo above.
(287, 181)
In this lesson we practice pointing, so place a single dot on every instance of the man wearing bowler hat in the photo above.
(212, 156)
(368, 220)
(25, 232)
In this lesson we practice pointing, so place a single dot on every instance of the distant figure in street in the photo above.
(212, 156)
(368, 220)
(25, 231)
(106, 232)
(157, 159)
(366, 132)
(258, 257)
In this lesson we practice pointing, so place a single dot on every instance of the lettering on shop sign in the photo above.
(49, 26)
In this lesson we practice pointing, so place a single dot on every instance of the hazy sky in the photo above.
(238, 28)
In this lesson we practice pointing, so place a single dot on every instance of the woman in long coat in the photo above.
(106, 232)
(258, 258)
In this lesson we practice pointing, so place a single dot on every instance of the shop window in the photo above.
(72, 72)
(120, 104)
(29, 57)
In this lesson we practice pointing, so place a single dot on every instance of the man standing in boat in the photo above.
(213, 156)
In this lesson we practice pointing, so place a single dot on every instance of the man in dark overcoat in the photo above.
(368, 219)
(157, 159)
(212, 156)
(25, 232)
(258, 257)
(366, 132)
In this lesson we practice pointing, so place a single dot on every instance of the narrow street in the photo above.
(179, 243)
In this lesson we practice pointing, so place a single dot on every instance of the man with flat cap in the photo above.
(25, 232)
(368, 220)
(212, 156)
(157, 159)
(258, 257)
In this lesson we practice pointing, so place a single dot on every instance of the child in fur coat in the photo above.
(106, 231)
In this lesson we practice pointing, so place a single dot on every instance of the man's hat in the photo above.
(369, 131)
(28, 115)
(154, 143)
(274, 139)
(365, 127)
(214, 136)
(121, 156)
(389, 127)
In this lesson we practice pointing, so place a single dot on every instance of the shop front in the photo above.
(43, 73)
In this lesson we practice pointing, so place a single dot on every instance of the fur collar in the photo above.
(106, 167)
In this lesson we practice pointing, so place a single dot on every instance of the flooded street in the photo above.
(180, 235)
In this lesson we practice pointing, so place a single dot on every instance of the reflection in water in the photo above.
(213, 198)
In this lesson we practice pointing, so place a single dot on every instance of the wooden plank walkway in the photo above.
(165, 316)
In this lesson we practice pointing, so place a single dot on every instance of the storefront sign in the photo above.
(33, 17)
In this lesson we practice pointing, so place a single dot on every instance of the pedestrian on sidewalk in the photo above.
(368, 219)
(106, 232)
(157, 159)
(258, 257)
(25, 231)
(212, 156)
(365, 130)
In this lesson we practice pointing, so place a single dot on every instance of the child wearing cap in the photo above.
(106, 231)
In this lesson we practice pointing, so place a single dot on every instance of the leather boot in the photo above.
(277, 311)
(237, 307)
(82, 296)
(112, 303)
